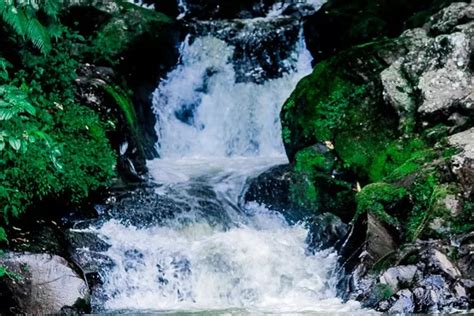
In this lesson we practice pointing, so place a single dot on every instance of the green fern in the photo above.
(21, 16)
(3, 235)
(38, 35)
(16, 18)
(4, 64)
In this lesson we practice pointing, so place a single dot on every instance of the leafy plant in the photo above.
(22, 17)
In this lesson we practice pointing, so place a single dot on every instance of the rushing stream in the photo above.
(190, 243)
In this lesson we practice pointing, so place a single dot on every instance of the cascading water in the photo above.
(189, 242)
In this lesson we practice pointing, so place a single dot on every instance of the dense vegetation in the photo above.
(53, 146)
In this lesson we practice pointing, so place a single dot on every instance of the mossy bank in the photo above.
(381, 135)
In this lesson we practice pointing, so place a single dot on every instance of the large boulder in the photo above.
(361, 21)
(463, 162)
(435, 78)
(389, 109)
(41, 284)
(141, 46)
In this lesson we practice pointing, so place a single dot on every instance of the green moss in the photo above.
(123, 29)
(310, 160)
(395, 155)
(303, 192)
(426, 195)
(343, 105)
(125, 105)
(382, 200)
(383, 291)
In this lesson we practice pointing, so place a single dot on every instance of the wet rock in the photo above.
(255, 59)
(89, 240)
(399, 276)
(368, 241)
(463, 162)
(91, 262)
(447, 19)
(272, 189)
(380, 239)
(47, 285)
(326, 231)
(246, 9)
(404, 304)
(466, 254)
(440, 261)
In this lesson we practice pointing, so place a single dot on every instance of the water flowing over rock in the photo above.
(189, 240)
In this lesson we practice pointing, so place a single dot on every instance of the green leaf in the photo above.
(15, 143)
(2, 145)
(3, 235)
(6, 114)
(4, 64)
(16, 18)
(38, 35)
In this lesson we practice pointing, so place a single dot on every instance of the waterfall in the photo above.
(188, 242)
(202, 111)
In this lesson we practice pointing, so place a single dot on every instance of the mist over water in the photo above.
(218, 126)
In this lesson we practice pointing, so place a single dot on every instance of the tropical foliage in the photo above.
(51, 147)
(23, 18)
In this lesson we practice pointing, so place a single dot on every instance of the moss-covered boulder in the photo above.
(341, 102)
(387, 109)
(138, 46)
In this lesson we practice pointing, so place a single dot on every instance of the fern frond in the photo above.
(16, 18)
(38, 35)
(4, 64)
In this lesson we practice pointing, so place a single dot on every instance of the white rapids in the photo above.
(216, 132)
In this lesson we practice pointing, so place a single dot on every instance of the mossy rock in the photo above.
(125, 28)
(319, 184)
(341, 102)
(386, 201)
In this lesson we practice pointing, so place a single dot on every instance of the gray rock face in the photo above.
(447, 83)
(446, 20)
(380, 241)
(47, 285)
(396, 276)
(441, 262)
(434, 78)
(463, 162)
(404, 304)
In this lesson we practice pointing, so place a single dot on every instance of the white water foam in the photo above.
(215, 134)
(225, 118)
(280, 6)
(262, 267)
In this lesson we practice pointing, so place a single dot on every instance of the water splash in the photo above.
(202, 111)
(262, 266)
(213, 252)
